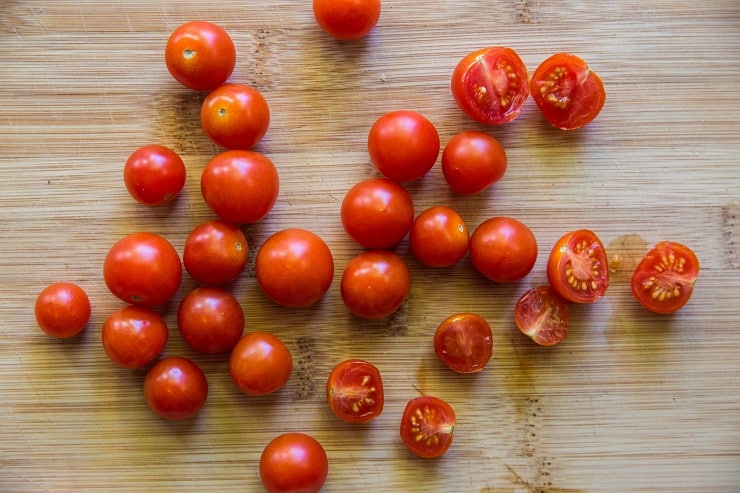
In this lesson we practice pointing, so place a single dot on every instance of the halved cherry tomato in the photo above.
(154, 174)
(427, 426)
(375, 284)
(293, 463)
(542, 315)
(215, 252)
(235, 116)
(664, 279)
(62, 309)
(464, 342)
(439, 237)
(175, 388)
(354, 391)
(347, 20)
(577, 267)
(503, 249)
(210, 319)
(260, 363)
(473, 161)
(133, 336)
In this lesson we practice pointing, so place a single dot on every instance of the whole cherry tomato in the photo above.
(215, 252)
(235, 116)
(260, 364)
(133, 336)
(375, 283)
(542, 315)
(62, 309)
(439, 237)
(473, 161)
(427, 426)
(347, 20)
(210, 320)
(154, 174)
(503, 249)
(664, 279)
(200, 55)
(294, 463)
(464, 342)
(577, 267)
(175, 388)
(354, 391)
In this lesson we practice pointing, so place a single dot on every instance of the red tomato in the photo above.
(215, 252)
(260, 364)
(464, 342)
(427, 426)
(577, 268)
(664, 279)
(503, 249)
(240, 186)
(377, 213)
(62, 309)
(143, 269)
(375, 283)
(567, 92)
(473, 161)
(293, 463)
(200, 55)
(439, 237)
(403, 145)
(210, 320)
(542, 315)
(154, 174)
(294, 267)
(133, 336)
(347, 20)
(354, 391)
(235, 116)
(175, 388)
(491, 85)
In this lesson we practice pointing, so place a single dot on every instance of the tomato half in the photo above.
(294, 463)
(260, 364)
(235, 116)
(347, 20)
(133, 336)
(439, 237)
(354, 391)
(154, 174)
(62, 309)
(375, 284)
(427, 426)
(210, 319)
(664, 279)
(473, 161)
(175, 388)
(464, 342)
(491, 85)
(543, 315)
(503, 249)
(215, 252)
(577, 267)
(200, 55)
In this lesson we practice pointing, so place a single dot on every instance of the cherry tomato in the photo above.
(439, 237)
(235, 116)
(473, 161)
(403, 145)
(577, 268)
(200, 55)
(377, 213)
(154, 175)
(664, 279)
(427, 426)
(503, 249)
(542, 315)
(260, 364)
(133, 336)
(143, 269)
(567, 92)
(240, 186)
(293, 463)
(375, 283)
(175, 388)
(294, 267)
(347, 20)
(210, 320)
(354, 391)
(215, 252)
(491, 85)
(464, 342)
(62, 309)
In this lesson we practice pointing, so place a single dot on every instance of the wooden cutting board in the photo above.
(630, 401)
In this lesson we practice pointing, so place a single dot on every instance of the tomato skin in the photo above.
(542, 315)
(427, 426)
(175, 388)
(472, 161)
(62, 309)
(260, 364)
(663, 281)
(503, 249)
(346, 20)
(133, 336)
(294, 463)
(143, 269)
(464, 342)
(215, 252)
(567, 92)
(154, 175)
(200, 55)
(354, 391)
(240, 186)
(210, 320)
(235, 116)
(403, 145)
(375, 284)
(491, 85)
(577, 268)
(439, 237)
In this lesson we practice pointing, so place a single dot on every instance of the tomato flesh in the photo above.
(427, 426)
(663, 281)
(354, 391)
(542, 315)
(464, 342)
(577, 268)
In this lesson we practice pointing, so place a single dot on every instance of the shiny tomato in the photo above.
(260, 364)
(143, 269)
(375, 284)
(503, 249)
(62, 309)
(200, 55)
(215, 252)
(240, 186)
(293, 463)
(354, 391)
(210, 320)
(464, 342)
(175, 388)
(473, 161)
(377, 213)
(347, 20)
(235, 116)
(664, 279)
(154, 174)
(427, 426)
(567, 92)
(543, 315)
(491, 85)
(577, 267)
(294, 267)
(439, 237)
(403, 145)
(133, 336)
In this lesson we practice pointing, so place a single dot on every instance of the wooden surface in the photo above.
(630, 401)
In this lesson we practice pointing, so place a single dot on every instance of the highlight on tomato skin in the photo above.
(542, 315)
(663, 281)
